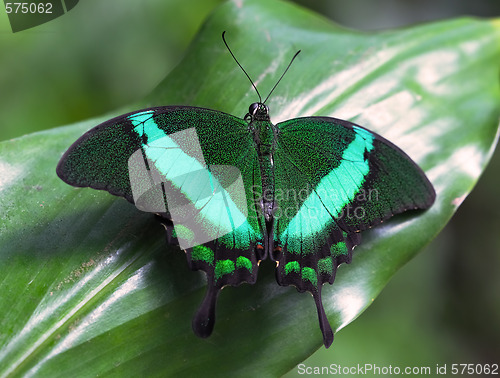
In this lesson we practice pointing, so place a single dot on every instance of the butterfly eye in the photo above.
(258, 108)
(253, 108)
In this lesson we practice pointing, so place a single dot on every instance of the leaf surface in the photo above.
(87, 284)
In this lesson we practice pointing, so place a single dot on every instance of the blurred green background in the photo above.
(443, 307)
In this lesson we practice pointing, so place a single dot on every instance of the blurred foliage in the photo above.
(56, 73)
(443, 307)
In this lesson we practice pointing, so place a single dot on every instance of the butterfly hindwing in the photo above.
(334, 179)
(193, 167)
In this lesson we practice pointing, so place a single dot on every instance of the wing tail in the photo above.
(204, 319)
(324, 324)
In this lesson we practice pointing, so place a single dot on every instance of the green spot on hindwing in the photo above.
(203, 253)
(339, 249)
(325, 265)
(223, 267)
(243, 262)
(183, 232)
(292, 266)
(310, 275)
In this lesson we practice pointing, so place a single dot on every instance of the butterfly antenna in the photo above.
(283, 74)
(238, 63)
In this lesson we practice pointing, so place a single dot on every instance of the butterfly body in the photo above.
(264, 136)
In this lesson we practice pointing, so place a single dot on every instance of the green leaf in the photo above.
(87, 283)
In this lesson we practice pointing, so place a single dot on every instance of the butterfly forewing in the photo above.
(196, 168)
(341, 173)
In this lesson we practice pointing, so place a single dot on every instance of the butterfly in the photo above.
(233, 191)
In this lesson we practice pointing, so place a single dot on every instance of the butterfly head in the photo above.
(258, 111)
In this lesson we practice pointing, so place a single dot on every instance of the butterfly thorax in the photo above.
(264, 135)
(263, 131)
